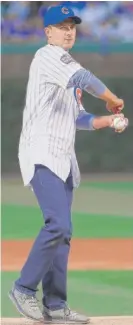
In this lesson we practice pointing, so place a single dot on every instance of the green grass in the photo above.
(92, 292)
(20, 222)
(115, 186)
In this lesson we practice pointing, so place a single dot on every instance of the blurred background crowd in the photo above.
(22, 21)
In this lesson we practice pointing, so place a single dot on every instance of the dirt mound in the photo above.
(112, 320)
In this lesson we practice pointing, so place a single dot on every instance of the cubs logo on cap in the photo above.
(65, 10)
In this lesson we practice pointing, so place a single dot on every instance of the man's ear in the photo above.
(47, 31)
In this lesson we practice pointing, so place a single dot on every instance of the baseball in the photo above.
(119, 123)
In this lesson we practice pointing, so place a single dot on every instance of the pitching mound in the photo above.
(112, 320)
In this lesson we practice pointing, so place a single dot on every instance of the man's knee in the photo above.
(58, 230)
(65, 232)
(65, 229)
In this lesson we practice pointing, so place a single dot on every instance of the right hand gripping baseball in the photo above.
(119, 123)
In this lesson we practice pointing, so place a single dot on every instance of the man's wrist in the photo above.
(108, 96)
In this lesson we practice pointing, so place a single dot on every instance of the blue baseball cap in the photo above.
(58, 14)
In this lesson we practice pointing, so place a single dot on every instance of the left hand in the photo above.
(116, 106)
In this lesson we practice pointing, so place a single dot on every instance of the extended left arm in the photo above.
(85, 80)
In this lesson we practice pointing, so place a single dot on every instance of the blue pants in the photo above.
(47, 261)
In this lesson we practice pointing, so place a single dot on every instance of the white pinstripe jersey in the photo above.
(49, 117)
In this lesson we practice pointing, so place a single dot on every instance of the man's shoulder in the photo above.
(41, 51)
(50, 50)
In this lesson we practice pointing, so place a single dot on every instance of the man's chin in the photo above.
(68, 46)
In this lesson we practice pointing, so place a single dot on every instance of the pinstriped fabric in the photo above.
(49, 117)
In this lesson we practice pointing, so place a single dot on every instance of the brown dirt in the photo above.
(112, 320)
(101, 254)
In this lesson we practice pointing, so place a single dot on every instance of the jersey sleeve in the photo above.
(57, 65)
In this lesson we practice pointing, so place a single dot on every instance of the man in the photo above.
(52, 112)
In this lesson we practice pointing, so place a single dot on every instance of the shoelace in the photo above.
(33, 302)
(68, 312)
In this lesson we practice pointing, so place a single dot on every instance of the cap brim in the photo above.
(77, 20)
